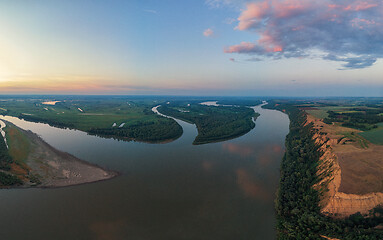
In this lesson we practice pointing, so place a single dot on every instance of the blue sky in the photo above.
(159, 47)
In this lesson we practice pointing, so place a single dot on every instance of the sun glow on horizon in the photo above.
(86, 48)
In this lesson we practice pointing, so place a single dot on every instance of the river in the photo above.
(176, 190)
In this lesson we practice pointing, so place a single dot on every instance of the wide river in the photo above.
(169, 191)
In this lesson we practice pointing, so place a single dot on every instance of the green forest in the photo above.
(359, 118)
(213, 123)
(125, 118)
(297, 203)
(154, 131)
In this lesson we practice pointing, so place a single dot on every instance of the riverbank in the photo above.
(38, 164)
(127, 119)
(306, 174)
(355, 184)
(214, 124)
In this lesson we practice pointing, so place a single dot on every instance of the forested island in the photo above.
(130, 118)
(304, 182)
(112, 117)
(214, 123)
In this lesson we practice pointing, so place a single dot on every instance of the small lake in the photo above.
(177, 191)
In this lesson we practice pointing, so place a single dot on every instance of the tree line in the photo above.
(297, 203)
(214, 123)
(153, 131)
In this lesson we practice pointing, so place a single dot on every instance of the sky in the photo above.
(192, 47)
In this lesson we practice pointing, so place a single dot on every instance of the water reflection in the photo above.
(176, 190)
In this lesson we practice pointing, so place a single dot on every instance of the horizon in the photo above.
(192, 96)
(193, 48)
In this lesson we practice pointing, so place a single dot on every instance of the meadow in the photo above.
(375, 135)
(96, 114)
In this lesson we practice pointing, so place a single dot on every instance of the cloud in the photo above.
(347, 31)
(229, 21)
(208, 32)
(232, 59)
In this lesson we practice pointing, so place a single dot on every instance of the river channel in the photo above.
(177, 190)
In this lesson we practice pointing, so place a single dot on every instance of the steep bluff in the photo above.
(335, 202)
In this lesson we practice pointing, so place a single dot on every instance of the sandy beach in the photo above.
(55, 168)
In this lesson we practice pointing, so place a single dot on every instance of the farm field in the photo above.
(375, 136)
(320, 113)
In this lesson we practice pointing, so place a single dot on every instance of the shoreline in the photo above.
(54, 168)
(336, 203)
(222, 139)
(126, 139)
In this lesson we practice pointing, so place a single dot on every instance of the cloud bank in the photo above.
(347, 31)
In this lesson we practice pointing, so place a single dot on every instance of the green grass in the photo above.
(375, 136)
(363, 143)
(19, 145)
(97, 113)
(335, 108)
(321, 114)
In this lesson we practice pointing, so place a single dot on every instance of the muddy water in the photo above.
(167, 191)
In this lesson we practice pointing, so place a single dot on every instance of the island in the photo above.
(124, 118)
(214, 122)
(26, 160)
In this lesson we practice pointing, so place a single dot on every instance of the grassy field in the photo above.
(321, 114)
(130, 117)
(363, 143)
(19, 146)
(19, 149)
(83, 114)
(375, 135)
(96, 114)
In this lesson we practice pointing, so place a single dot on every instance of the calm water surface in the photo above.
(167, 191)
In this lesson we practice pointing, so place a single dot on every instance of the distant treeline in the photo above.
(297, 203)
(359, 118)
(5, 161)
(214, 123)
(154, 131)
(51, 122)
(161, 130)
(240, 102)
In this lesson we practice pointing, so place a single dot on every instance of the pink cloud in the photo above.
(293, 28)
(252, 14)
(208, 32)
(361, 23)
(360, 6)
(242, 47)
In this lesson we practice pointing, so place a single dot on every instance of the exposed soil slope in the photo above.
(357, 171)
(45, 166)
